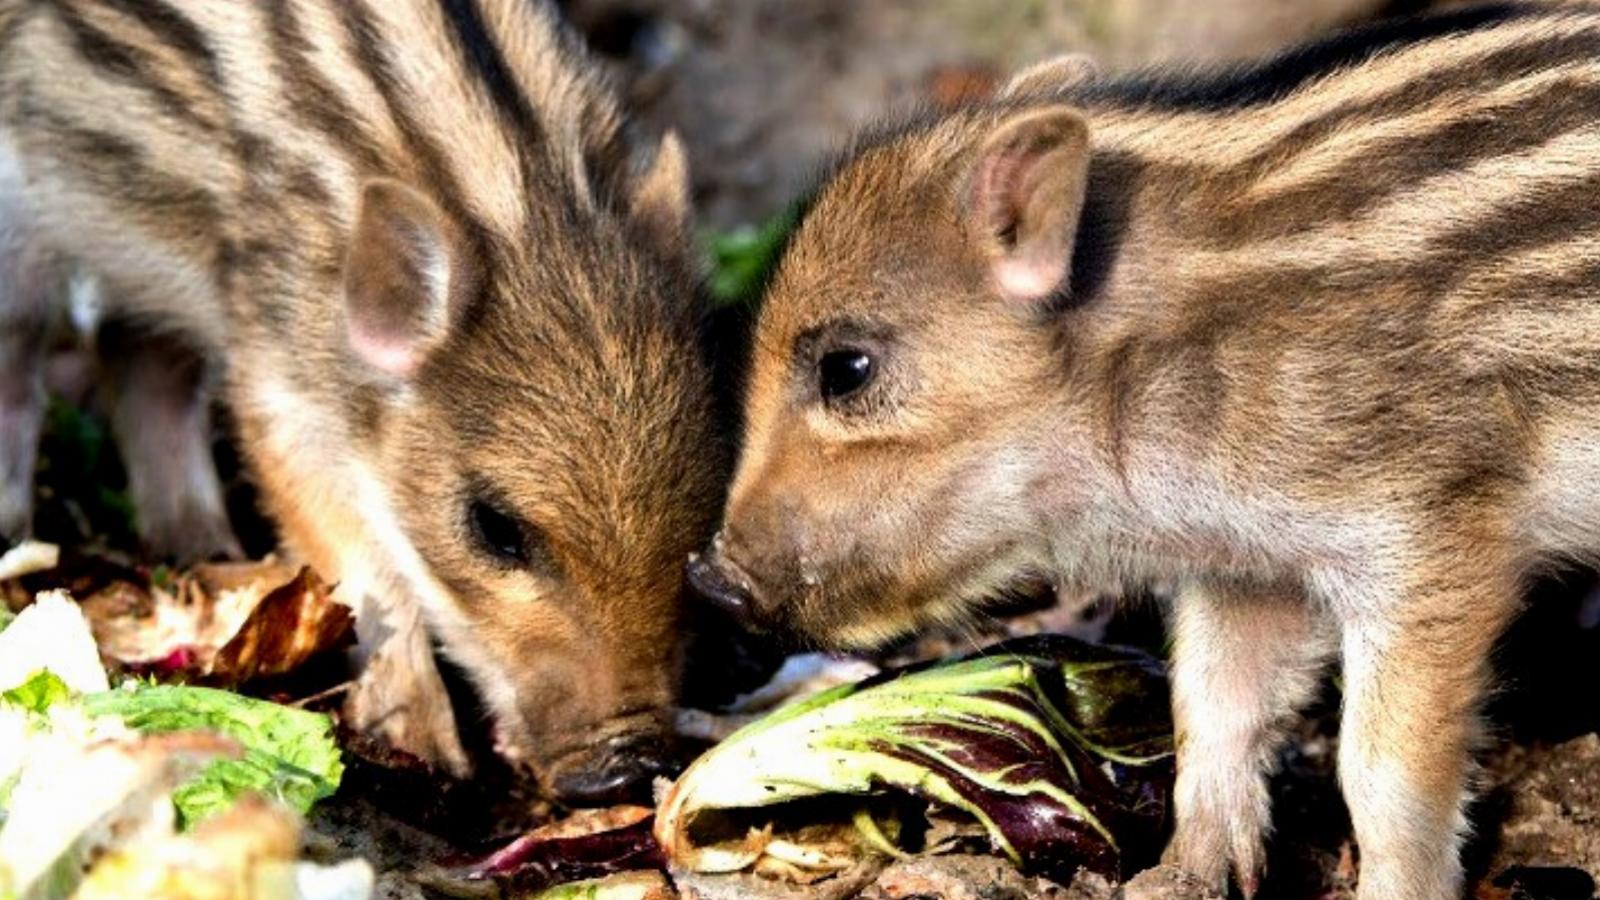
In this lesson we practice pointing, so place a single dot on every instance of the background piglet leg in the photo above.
(25, 293)
(160, 412)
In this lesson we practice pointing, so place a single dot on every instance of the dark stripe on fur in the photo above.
(1114, 181)
(176, 30)
(367, 48)
(311, 99)
(1542, 217)
(117, 168)
(1399, 163)
(1500, 66)
(130, 64)
(482, 57)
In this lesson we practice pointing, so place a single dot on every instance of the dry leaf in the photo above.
(223, 624)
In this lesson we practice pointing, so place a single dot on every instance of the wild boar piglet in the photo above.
(444, 288)
(1316, 340)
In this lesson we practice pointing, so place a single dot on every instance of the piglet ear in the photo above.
(1024, 198)
(405, 270)
(658, 195)
(1055, 74)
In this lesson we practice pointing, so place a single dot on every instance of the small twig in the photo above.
(340, 688)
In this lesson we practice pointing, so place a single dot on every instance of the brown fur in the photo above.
(411, 241)
(1322, 350)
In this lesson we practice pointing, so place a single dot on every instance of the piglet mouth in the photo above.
(612, 758)
(621, 768)
(618, 763)
(724, 584)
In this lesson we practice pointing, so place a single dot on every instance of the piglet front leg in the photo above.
(1245, 659)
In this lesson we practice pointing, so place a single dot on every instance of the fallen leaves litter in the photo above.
(218, 624)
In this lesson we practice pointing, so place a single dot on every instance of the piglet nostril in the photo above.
(724, 591)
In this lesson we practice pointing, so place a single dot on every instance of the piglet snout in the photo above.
(621, 771)
(723, 585)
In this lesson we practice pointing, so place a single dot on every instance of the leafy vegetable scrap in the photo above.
(221, 624)
(148, 790)
(289, 754)
(590, 846)
(1056, 747)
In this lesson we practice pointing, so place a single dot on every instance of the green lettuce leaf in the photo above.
(42, 690)
(289, 754)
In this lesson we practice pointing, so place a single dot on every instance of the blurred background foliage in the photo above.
(763, 91)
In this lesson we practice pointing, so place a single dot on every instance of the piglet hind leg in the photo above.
(160, 414)
(1413, 682)
(1246, 659)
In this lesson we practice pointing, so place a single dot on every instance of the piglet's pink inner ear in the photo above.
(1024, 199)
(405, 268)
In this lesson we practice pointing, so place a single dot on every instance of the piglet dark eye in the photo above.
(843, 372)
(500, 534)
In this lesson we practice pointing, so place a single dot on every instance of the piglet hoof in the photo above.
(405, 705)
(16, 517)
(1205, 854)
(191, 537)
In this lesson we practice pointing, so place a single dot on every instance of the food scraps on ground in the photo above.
(287, 754)
(141, 790)
(589, 845)
(27, 558)
(1058, 749)
(220, 624)
(51, 634)
(1048, 751)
